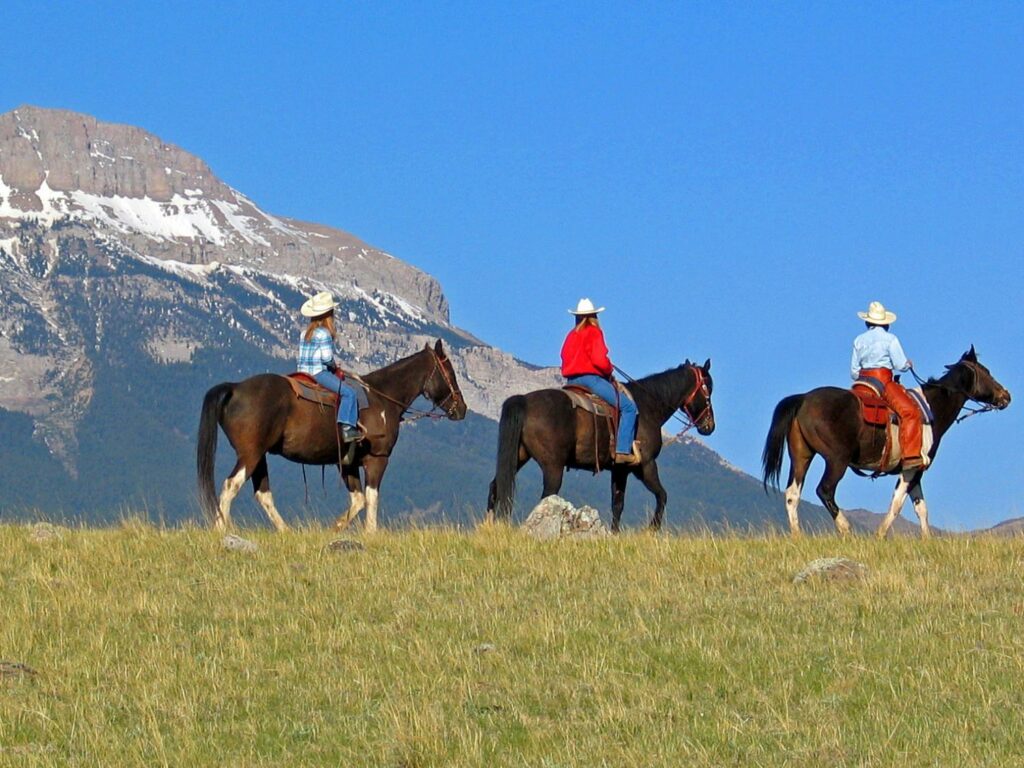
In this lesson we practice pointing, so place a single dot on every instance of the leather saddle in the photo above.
(586, 400)
(876, 411)
(306, 387)
(873, 409)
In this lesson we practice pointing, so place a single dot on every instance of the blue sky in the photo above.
(731, 180)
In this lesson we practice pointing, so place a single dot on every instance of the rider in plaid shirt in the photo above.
(316, 358)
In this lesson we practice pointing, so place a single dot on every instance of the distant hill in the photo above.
(1014, 527)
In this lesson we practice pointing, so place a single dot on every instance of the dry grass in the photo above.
(158, 647)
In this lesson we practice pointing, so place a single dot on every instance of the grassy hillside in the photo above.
(437, 648)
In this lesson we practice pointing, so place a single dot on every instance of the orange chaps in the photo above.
(908, 411)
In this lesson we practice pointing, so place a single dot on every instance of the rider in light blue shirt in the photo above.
(877, 348)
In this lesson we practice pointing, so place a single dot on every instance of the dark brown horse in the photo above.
(828, 421)
(262, 415)
(544, 426)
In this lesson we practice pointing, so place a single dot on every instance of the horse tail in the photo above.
(510, 431)
(771, 458)
(206, 447)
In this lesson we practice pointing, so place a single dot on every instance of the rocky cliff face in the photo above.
(117, 246)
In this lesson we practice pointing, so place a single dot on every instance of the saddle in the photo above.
(876, 413)
(585, 400)
(306, 387)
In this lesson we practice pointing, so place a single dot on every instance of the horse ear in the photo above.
(426, 346)
(707, 364)
(971, 355)
(439, 348)
(686, 361)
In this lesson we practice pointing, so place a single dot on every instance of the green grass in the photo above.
(158, 647)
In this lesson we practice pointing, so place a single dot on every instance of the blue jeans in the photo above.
(627, 408)
(348, 410)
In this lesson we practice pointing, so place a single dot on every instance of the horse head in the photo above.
(983, 386)
(440, 387)
(697, 403)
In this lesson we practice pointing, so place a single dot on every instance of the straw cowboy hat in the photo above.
(585, 307)
(877, 314)
(318, 305)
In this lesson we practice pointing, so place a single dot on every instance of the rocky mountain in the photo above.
(116, 247)
(132, 279)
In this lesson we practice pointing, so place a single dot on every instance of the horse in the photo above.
(828, 421)
(544, 426)
(262, 415)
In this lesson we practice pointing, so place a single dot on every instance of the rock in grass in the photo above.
(832, 569)
(41, 533)
(345, 545)
(15, 669)
(485, 648)
(234, 543)
(556, 518)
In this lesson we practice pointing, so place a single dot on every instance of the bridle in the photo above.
(451, 403)
(453, 400)
(973, 368)
(700, 385)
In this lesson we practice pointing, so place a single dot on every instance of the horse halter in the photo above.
(451, 403)
(700, 385)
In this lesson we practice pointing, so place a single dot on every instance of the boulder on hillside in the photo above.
(831, 569)
(556, 518)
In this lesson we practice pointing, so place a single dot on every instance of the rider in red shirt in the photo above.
(585, 363)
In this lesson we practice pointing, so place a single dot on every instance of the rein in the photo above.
(417, 413)
(699, 385)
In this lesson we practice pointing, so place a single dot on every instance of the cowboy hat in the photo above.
(585, 307)
(318, 305)
(877, 314)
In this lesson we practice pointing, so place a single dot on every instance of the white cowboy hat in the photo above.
(877, 314)
(318, 305)
(585, 307)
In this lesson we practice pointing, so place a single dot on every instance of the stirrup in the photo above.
(630, 459)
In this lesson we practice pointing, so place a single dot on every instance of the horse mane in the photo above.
(951, 380)
(376, 377)
(663, 386)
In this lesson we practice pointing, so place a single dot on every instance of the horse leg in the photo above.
(492, 491)
(834, 471)
(552, 479)
(898, 497)
(619, 477)
(374, 467)
(800, 455)
(356, 498)
(232, 485)
(261, 486)
(917, 496)
(649, 477)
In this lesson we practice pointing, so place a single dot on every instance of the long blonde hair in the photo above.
(323, 321)
(585, 320)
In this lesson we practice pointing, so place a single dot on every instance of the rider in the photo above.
(876, 354)
(317, 358)
(585, 362)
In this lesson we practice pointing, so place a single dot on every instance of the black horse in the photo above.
(262, 415)
(828, 421)
(544, 426)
